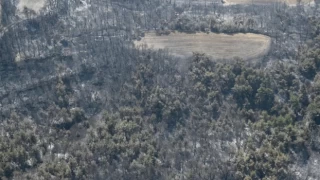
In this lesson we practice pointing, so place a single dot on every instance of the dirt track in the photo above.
(218, 46)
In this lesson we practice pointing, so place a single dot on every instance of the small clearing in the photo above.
(35, 5)
(218, 46)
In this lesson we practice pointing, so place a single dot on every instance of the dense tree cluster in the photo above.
(183, 118)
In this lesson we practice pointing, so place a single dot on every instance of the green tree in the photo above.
(265, 98)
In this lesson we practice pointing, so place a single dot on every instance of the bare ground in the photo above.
(233, 2)
(35, 5)
(219, 46)
(289, 2)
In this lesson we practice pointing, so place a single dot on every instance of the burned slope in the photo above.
(78, 101)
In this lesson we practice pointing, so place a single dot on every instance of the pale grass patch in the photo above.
(219, 46)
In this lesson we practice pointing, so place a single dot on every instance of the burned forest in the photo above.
(160, 89)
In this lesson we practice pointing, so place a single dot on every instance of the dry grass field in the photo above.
(35, 5)
(218, 46)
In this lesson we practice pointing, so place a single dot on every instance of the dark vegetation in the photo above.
(78, 101)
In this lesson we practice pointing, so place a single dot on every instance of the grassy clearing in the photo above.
(218, 46)
(35, 5)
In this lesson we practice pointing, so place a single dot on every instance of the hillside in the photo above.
(157, 89)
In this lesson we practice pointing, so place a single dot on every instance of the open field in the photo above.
(35, 5)
(218, 46)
